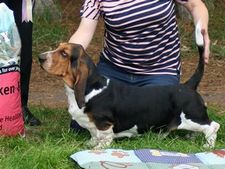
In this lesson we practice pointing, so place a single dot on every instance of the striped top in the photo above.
(141, 36)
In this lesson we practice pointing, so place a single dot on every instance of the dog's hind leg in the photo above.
(211, 134)
(191, 135)
(209, 129)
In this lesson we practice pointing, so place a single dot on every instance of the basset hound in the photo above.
(110, 109)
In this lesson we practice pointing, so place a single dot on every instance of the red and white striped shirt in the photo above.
(141, 36)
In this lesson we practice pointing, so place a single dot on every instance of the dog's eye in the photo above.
(63, 53)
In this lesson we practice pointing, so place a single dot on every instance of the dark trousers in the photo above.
(25, 31)
(112, 72)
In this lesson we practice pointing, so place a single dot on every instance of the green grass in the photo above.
(47, 36)
(50, 145)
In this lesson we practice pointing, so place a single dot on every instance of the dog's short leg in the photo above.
(104, 138)
(93, 141)
(164, 135)
(132, 132)
(211, 134)
(191, 135)
(210, 130)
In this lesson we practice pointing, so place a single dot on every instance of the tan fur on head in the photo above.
(69, 62)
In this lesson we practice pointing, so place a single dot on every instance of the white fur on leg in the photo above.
(92, 142)
(211, 134)
(104, 138)
(210, 131)
(100, 138)
(132, 132)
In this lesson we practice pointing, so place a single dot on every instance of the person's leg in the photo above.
(159, 80)
(25, 31)
(26, 59)
(112, 72)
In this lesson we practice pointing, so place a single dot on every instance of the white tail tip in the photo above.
(198, 35)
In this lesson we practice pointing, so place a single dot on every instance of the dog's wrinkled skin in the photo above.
(109, 109)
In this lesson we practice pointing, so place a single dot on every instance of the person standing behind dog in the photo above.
(141, 42)
(22, 10)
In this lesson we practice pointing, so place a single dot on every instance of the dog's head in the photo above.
(71, 63)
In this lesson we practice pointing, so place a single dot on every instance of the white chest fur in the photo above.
(99, 138)
(77, 113)
(73, 108)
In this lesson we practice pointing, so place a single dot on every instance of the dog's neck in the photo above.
(95, 80)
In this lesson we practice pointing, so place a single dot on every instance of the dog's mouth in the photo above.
(41, 65)
(44, 66)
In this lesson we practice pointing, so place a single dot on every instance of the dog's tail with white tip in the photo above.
(194, 81)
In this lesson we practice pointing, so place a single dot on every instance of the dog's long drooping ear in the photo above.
(80, 74)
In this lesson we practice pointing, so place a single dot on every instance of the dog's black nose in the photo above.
(42, 58)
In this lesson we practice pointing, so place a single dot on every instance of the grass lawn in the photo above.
(50, 145)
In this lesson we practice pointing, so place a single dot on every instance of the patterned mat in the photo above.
(148, 159)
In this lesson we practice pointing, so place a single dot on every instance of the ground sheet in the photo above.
(148, 159)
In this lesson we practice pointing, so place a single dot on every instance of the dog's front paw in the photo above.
(102, 145)
(92, 142)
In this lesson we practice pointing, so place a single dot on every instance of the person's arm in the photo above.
(199, 13)
(85, 32)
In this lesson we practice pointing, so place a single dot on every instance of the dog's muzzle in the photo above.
(42, 58)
